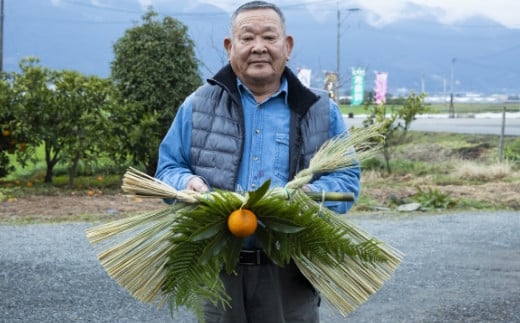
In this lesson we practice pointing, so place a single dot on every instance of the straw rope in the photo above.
(134, 250)
(349, 283)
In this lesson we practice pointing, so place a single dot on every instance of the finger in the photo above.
(201, 188)
(196, 184)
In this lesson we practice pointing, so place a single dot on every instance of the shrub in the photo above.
(512, 151)
(433, 198)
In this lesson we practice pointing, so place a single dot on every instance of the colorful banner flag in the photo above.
(330, 84)
(304, 75)
(380, 87)
(358, 86)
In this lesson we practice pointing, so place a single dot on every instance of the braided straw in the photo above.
(343, 151)
(133, 250)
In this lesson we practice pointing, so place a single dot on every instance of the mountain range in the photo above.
(479, 55)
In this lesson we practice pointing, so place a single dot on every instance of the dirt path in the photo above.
(68, 207)
(78, 207)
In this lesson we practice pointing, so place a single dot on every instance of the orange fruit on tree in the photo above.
(242, 223)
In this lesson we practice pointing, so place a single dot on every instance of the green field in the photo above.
(459, 108)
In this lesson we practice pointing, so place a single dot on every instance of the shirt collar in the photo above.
(282, 90)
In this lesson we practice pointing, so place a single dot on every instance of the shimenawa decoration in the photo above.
(174, 255)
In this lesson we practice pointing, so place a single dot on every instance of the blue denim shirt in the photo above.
(266, 149)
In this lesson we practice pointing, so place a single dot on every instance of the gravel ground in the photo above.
(461, 267)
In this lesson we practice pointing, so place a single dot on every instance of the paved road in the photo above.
(458, 268)
(489, 124)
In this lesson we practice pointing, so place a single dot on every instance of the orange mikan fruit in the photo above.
(242, 223)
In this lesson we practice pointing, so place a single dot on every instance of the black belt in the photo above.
(253, 257)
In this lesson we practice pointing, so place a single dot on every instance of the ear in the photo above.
(227, 45)
(289, 44)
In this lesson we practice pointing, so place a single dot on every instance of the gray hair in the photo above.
(253, 5)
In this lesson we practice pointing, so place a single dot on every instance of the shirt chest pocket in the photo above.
(281, 157)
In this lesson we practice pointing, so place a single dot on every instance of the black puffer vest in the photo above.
(218, 127)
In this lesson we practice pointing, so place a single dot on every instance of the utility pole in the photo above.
(338, 36)
(338, 46)
(451, 110)
(1, 36)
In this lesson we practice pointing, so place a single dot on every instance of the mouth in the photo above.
(258, 62)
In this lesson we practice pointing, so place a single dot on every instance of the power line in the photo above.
(319, 6)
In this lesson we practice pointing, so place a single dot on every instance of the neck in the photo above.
(263, 91)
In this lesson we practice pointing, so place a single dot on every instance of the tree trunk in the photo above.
(386, 154)
(48, 174)
(51, 161)
(151, 166)
(73, 170)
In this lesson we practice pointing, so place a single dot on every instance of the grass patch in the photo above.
(460, 108)
(441, 171)
(473, 171)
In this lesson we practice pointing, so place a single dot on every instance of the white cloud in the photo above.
(379, 12)
(383, 12)
(145, 3)
(504, 12)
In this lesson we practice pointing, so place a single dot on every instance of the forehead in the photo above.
(264, 19)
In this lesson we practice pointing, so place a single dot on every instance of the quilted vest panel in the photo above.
(217, 135)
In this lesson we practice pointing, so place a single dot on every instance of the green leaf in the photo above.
(232, 253)
(208, 231)
(213, 248)
(255, 196)
(282, 225)
(265, 237)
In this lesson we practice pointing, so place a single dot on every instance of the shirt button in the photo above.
(255, 158)
(257, 131)
(253, 185)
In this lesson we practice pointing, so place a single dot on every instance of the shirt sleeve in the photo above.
(173, 165)
(344, 180)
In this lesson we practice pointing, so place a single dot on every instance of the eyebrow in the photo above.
(265, 28)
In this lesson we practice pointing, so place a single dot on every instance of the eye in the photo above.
(270, 37)
(246, 37)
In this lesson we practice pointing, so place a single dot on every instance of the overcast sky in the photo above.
(381, 12)
(79, 34)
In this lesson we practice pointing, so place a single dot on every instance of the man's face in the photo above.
(259, 48)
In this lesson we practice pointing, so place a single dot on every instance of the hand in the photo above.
(197, 184)
(306, 188)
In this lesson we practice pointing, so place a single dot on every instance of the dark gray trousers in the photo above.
(266, 294)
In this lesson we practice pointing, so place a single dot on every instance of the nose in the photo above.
(258, 46)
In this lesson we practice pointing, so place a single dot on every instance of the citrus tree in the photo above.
(154, 69)
(85, 102)
(35, 115)
(64, 112)
(8, 142)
